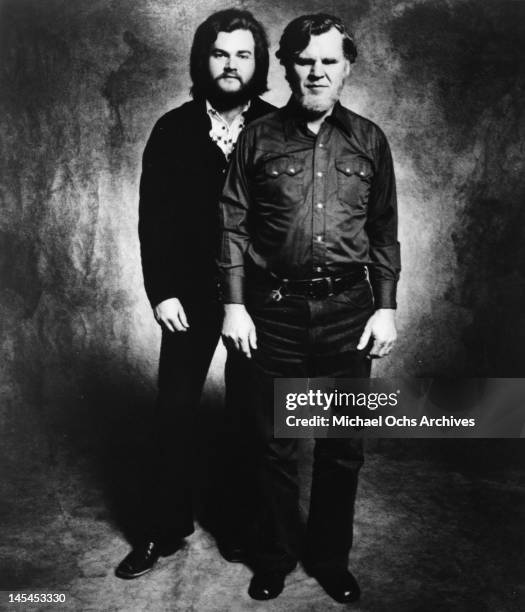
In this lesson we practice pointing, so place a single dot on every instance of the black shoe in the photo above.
(233, 551)
(340, 585)
(143, 558)
(266, 585)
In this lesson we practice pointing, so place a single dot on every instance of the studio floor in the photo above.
(439, 524)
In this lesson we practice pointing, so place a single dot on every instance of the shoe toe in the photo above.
(266, 586)
(341, 586)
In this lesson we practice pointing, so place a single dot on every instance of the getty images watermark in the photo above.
(399, 408)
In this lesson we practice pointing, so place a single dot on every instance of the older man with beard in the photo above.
(184, 167)
(310, 262)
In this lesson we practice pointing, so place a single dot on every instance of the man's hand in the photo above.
(238, 330)
(382, 327)
(170, 314)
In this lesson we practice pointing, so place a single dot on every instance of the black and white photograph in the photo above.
(262, 305)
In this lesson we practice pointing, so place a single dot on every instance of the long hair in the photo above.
(298, 32)
(206, 34)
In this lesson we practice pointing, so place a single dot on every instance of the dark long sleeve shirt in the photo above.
(303, 205)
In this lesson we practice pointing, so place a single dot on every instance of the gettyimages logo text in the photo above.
(341, 399)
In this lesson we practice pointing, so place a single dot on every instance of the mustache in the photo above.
(228, 75)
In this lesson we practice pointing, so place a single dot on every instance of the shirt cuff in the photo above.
(232, 289)
(384, 293)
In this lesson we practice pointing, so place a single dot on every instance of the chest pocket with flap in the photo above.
(281, 179)
(354, 178)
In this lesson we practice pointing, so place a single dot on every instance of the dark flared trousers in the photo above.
(185, 358)
(297, 338)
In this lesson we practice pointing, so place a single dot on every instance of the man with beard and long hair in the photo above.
(184, 167)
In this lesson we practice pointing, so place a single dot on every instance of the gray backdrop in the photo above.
(82, 83)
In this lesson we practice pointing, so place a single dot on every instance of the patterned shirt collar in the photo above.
(223, 134)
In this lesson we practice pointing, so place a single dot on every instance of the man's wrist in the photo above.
(390, 312)
(233, 307)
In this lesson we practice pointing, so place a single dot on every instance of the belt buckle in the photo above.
(320, 288)
(312, 288)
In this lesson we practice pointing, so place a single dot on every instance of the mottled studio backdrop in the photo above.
(83, 81)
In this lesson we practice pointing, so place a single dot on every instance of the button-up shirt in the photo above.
(225, 134)
(302, 205)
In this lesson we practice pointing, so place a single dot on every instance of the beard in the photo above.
(313, 109)
(226, 100)
(314, 106)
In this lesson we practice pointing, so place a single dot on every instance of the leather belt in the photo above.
(317, 288)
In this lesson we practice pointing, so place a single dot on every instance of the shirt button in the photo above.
(319, 204)
(321, 145)
(319, 174)
(319, 238)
